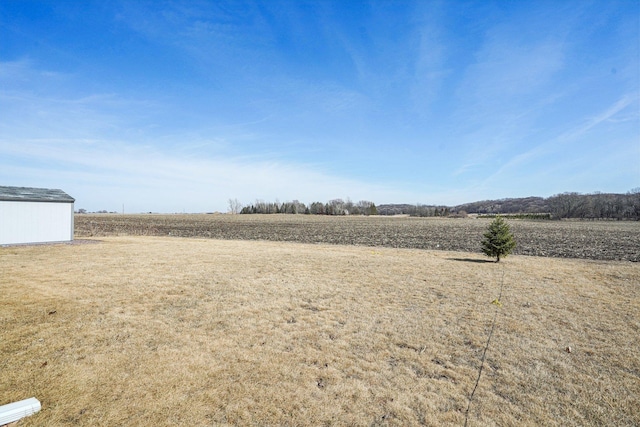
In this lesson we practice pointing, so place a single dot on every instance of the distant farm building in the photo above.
(35, 215)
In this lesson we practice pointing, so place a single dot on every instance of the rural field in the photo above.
(600, 240)
(345, 321)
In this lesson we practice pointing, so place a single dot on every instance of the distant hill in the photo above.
(501, 206)
(565, 205)
(507, 206)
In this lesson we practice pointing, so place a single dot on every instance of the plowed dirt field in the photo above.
(598, 240)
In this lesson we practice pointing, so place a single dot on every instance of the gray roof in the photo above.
(26, 194)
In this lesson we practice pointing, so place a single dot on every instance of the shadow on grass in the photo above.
(480, 261)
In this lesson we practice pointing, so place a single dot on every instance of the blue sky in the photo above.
(173, 106)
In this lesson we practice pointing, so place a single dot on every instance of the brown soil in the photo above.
(597, 240)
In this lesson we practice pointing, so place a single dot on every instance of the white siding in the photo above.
(31, 222)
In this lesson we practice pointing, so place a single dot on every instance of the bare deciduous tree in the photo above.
(234, 206)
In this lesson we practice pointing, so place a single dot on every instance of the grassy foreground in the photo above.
(173, 331)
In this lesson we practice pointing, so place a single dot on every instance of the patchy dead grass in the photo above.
(171, 331)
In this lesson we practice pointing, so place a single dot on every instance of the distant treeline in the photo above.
(415, 210)
(533, 205)
(560, 206)
(507, 206)
(566, 205)
(332, 207)
(596, 205)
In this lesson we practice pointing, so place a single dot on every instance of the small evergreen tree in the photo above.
(498, 240)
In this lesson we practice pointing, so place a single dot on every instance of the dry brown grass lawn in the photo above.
(171, 331)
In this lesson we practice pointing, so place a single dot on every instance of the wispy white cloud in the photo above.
(553, 152)
(611, 114)
(507, 77)
(145, 179)
(105, 151)
(431, 56)
(509, 83)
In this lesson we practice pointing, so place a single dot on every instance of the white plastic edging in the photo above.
(17, 410)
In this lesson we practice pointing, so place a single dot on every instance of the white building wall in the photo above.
(34, 222)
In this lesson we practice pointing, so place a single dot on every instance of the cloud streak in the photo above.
(609, 115)
(145, 179)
